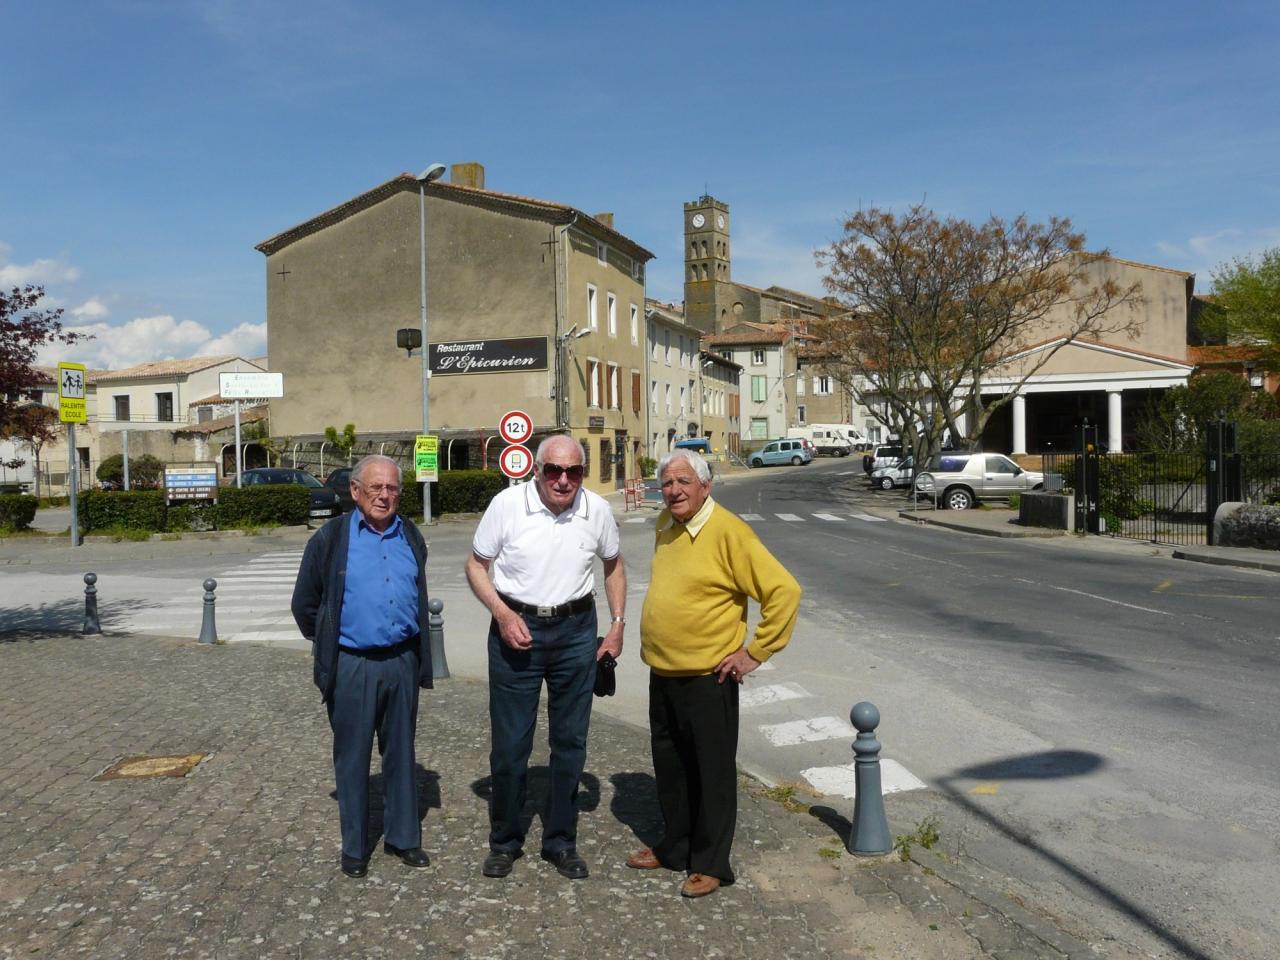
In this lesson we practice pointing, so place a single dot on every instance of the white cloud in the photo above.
(40, 271)
(1202, 255)
(144, 339)
(91, 309)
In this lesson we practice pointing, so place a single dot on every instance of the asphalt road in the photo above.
(1101, 717)
(1093, 722)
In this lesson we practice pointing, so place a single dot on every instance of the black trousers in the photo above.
(693, 726)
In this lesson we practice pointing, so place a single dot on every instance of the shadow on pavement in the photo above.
(536, 793)
(64, 617)
(635, 805)
(1056, 764)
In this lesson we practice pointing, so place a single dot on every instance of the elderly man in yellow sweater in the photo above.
(693, 636)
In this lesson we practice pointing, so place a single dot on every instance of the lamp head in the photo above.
(584, 332)
(433, 172)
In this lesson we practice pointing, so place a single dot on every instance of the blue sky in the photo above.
(152, 144)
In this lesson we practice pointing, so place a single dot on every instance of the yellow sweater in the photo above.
(695, 613)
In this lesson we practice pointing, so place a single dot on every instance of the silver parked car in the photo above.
(898, 475)
(956, 481)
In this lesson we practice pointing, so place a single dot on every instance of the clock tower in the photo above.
(706, 262)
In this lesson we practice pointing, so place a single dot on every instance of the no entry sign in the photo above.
(516, 461)
(515, 426)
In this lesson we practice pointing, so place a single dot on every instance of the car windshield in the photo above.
(306, 479)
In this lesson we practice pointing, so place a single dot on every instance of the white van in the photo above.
(828, 439)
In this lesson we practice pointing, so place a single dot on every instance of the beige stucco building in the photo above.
(531, 305)
(1108, 381)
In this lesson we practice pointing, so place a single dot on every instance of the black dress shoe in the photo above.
(354, 866)
(498, 862)
(567, 863)
(413, 856)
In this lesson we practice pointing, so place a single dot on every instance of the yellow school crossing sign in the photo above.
(72, 407)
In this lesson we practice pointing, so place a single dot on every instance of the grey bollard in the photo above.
(870, 834)
(91, 624)
(435, 640)
(208, 631)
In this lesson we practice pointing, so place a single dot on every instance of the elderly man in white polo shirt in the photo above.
(541, 540)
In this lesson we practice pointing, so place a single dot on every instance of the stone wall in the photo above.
(1247, 525)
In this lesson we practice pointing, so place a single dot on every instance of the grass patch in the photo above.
(924, 835)
(118, 533)
(785, 794)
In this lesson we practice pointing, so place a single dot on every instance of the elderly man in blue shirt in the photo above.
(361, 599)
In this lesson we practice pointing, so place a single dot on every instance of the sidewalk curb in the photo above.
(1016, 533)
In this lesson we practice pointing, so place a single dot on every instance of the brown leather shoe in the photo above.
(644, 859)
(699, 885)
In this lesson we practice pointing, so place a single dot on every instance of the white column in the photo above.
(961, 421)
(1113, 421)
(1019, 424)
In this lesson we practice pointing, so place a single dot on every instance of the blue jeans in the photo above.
(564, 655)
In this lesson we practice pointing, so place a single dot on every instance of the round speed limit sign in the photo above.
(516, 461)
(515, 426)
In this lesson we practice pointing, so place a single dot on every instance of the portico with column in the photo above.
(1081, 381)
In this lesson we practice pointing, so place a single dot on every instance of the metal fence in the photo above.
(1164, 497)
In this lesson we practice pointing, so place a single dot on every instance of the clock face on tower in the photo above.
(699, 220)
(720, 221)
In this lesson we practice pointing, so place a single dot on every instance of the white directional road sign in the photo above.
(251, 385)
(515, 426)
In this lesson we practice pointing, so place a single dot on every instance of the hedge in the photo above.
(17, 510)
(457, 491)
(274, 503)
(133, 509)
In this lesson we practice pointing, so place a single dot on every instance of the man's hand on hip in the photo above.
(736, 666)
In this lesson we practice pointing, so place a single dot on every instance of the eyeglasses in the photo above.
(552, 471)
(378, 489)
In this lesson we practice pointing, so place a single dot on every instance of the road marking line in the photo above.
(867, 516)
(768, 665)
(1162, 587)
(986, 789)
(789, 517)
(254, 578)
(1094, 596)
(806, 731)
(829, 516)
(774, 693)
(636, 520)
(750, 516)
(841, 781)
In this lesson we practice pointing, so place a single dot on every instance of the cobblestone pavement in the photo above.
(240, 858)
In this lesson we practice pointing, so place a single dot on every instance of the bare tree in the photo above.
(936, 306)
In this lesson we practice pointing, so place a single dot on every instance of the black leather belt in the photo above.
(548, 612)
(382, 653)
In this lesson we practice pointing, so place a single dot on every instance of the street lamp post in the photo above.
(434, 172)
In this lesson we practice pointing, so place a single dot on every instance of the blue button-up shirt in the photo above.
(380, 600)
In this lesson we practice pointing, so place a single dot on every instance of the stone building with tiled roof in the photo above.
(530, 304)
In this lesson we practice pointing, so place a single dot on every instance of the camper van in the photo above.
(830, 439)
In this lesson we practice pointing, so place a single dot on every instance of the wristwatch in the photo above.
(618, 620)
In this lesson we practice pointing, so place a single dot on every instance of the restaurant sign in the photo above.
(514, 355)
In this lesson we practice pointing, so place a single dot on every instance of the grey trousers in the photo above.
(376, 693)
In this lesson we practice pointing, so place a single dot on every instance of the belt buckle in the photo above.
(546, 611)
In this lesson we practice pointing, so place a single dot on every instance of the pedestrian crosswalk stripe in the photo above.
(829, 516)
(751, 696)
(256, 578)
(867, 516)
(750, 516)
(790, 518)
(841, 781)
(807, 731)
(636, 520)
(767, 665)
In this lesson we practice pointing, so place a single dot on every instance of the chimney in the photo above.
(606, 219)
(467, 175)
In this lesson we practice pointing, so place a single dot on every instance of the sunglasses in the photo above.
(552, 471)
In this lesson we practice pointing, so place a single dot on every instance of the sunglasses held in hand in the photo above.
(552, 471)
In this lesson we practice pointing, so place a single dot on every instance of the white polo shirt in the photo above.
(539, 557)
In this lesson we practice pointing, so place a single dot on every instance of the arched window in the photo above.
(704, 248)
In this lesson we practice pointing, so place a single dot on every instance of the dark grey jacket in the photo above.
(317, 598)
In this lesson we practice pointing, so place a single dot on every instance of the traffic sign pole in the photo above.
(73, 475)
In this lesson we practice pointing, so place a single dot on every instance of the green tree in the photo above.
(1245, 307)
(145, 472)
(1177, 421)
(344, 441)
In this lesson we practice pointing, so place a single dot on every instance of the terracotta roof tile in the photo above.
(165, 368)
